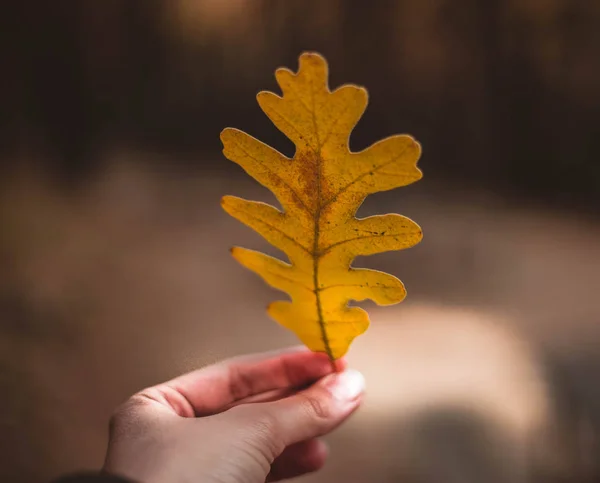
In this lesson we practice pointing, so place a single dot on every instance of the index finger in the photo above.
(215, 388)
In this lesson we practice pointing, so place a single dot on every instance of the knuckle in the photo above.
(241, 385)
(262, 431)
(127, 415)
(116, 422)
(264, 426)
(316, 407)
(261, 422)
(267, 434)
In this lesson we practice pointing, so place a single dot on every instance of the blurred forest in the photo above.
(502, 93)
(114, 268)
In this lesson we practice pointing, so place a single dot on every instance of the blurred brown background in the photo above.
(114, 263)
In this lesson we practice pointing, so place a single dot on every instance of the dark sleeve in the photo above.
(92, 478)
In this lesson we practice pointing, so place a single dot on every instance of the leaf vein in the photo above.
(361, 176)
(340, 285)
(278, 177)
(290, 280)
(362, 237)
(278, 230)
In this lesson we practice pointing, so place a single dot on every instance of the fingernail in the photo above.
(347, 385)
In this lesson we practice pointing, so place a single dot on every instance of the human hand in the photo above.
(244, 420)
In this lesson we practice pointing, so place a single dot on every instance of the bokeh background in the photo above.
(114, 264)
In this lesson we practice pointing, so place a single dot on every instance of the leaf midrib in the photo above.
(317, 219)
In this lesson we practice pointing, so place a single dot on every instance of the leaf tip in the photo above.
(228, 204)
(363, 91)
(235, 252)
(225, 131)
(312, 56)
(225, 136)
(416, 147)
(283, 75)
(315, 63)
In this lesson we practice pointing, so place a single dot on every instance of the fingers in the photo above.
(305, 415)
(318, 409)
(218, 387)
(299, 459)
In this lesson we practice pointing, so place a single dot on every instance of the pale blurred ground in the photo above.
(130, 281)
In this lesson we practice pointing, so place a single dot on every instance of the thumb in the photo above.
(317, 410)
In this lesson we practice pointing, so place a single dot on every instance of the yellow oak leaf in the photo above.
(320, 190)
